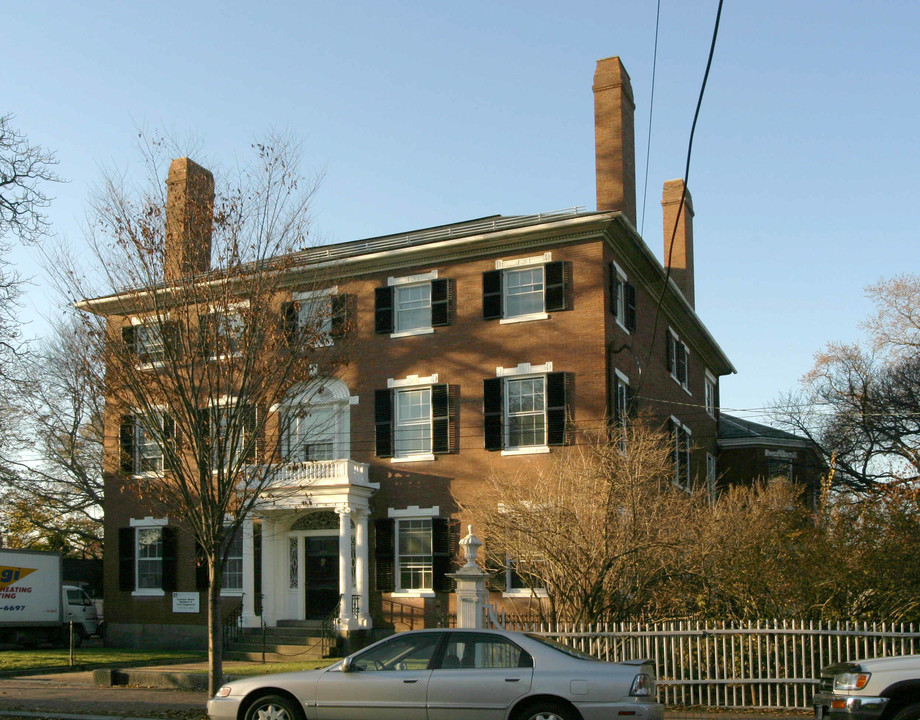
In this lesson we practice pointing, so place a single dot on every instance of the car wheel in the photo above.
(546, 711)
(272, 707)
(908, 712)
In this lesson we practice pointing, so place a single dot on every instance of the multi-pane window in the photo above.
(309, 433)
(412, 307)
(779, 469)
(523, 576)
(622, 298)
(526, 412)
(231, 430)
(222, 334)
(523, 289)
(623, 399)
(233, 569)
(149, 343)
(413, 422)
(709, 398)
(680, 453)
(414, 554)
(711, 476)
(314, 318)
(678, 360)
(149, 558)
(148, 454)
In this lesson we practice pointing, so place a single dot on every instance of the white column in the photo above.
(270, 585)
(361, 565)
(345, 579)
(249, 618)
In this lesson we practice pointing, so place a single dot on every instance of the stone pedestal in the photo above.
(472, 595)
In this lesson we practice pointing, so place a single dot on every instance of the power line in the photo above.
(651, 107)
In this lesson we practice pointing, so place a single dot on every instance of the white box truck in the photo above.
(35, 605)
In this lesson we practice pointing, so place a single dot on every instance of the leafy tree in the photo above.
(186, 319)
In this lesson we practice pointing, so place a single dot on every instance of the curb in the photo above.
(151, 678)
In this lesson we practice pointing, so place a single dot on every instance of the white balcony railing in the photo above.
(319, 473)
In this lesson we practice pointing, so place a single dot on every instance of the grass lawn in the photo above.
(23, 660)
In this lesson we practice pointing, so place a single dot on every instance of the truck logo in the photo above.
(9, 575)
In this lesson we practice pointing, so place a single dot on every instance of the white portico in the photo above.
(314, 527)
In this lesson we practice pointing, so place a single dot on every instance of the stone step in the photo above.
(292, 636)
(311, 654)
(318, 624)
(280, 649)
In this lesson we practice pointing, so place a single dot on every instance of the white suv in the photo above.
(883, 688)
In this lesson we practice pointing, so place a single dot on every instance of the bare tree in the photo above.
(861, 402)
(53, 455)
(198, 343)
(596, 530)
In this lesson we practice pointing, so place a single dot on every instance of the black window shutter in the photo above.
(383, 422)
(201, 568)
(493, 411)
(632, 405)
(440, 302)
(440, 419)
(492, 295)
(554, 277)
(129, 338)
(630, 298)
(126, 440)
(170, 548)
(339, 304)
(441, 554)
(669, 352)
(289, 313)
(172, 446)
(385, 554)
(614, 290)
(686, 365)
(383, 310)
(126, 559)
(556, 409)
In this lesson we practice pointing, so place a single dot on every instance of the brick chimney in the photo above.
(189, 218)
(679, 255)
(614, 139)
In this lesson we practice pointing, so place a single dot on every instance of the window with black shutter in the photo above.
(440, 302)
(440, 419)
(385, 554)
(556, 408)
(126, 441)
(630, 302)
(442, 553)
(554, 298)
(492, 295)
(341, 316)
(126, 559)
(170, 556)
(383, 422)
(383, 310)
(493, 412)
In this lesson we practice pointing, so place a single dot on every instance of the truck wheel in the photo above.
(908, 712)
(78, 636)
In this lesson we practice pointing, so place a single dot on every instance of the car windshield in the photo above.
(562, 648)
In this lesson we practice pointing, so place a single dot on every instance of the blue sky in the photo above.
(805, 162)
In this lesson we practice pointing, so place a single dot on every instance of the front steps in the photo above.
(290, 641)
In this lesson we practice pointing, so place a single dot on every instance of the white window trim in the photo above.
(243, 529)
(413, 512)
(523, 370)
(135, 461)
(517, 264)
(310, 296)
(689, 435)
(147, 523)
(620, 299)
(417, 279)
(414, 382)
(709, 381)
(676, 340)
(522, 593)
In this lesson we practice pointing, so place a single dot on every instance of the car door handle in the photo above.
(512, 679)
(414, 680)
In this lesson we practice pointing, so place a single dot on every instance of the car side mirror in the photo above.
(346, 665)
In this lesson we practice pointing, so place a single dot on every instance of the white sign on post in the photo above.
(186, 602)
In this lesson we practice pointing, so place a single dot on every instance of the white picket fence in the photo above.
(767, 664)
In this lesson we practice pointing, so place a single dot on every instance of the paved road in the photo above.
(74, 693)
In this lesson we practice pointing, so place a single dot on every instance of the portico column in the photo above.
(345, 579)
(249, 618)
(361, 579)
(270, 586)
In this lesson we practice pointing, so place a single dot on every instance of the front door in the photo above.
(321, 575)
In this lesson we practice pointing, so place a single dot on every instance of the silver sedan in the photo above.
(450, 675)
